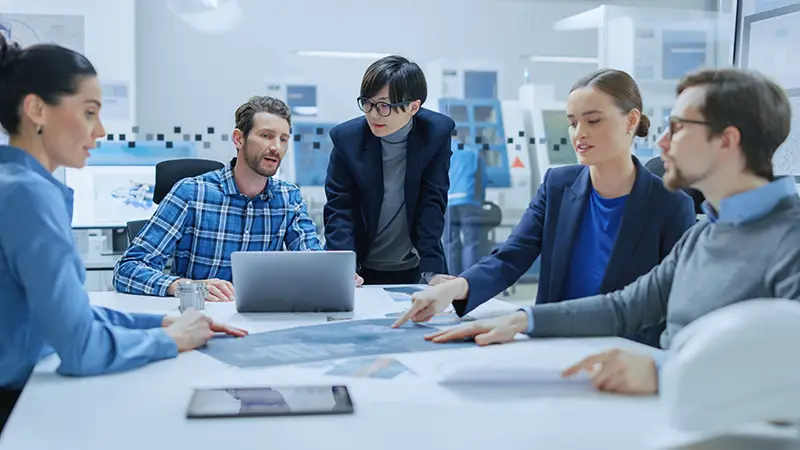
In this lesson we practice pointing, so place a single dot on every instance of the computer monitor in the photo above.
(556, 131)
(111, 196)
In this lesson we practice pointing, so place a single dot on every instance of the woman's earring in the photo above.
(39, 129)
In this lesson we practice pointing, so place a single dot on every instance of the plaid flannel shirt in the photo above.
(202, 221)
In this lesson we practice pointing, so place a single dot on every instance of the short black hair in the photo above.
(750, 102)
(405, 79)
(256, 104)
(48, 71)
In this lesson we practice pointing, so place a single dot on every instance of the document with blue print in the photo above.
(330, 341)
(402, 293)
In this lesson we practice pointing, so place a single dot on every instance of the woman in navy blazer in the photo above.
(597, 226)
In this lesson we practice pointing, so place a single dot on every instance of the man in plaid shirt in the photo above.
(240, 207)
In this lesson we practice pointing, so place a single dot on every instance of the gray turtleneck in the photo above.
(392, 249)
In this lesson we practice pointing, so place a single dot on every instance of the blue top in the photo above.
(468, 178)
(45, 308)
(202, 221)
(593, 245)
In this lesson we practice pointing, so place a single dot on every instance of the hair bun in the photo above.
(644, 126)
(9, 52)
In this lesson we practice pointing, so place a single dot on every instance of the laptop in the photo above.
(290, 282)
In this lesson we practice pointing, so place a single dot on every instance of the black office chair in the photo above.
(167, 174)
(133, 228)
(656, 165)
(170, 172)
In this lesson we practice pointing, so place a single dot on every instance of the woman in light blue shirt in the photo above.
(50, 103)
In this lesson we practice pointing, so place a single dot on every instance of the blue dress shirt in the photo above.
(45, 308)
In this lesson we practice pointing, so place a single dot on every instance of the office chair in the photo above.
(170, 172)
(133, 228)
(656, 166)
(167, 174)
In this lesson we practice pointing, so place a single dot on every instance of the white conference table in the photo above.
(145, 408)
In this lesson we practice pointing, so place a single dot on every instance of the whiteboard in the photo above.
(769, 41)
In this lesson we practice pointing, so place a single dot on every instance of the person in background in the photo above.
(597, 226)
(724, 130)
(50, 103)
(465, 198)
(387, 178)
(240, 207)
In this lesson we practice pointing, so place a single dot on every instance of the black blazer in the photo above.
(354, 187)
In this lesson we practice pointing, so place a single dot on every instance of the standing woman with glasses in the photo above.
(50, 104)
(387, 179)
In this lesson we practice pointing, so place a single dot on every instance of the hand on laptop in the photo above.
(620, 371)
(359, 280)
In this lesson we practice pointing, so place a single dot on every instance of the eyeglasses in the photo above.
(383, 108)
(674, 121)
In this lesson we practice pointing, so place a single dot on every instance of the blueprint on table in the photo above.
(401, 293)
(439, 319)
(334, 340)
(408, 290)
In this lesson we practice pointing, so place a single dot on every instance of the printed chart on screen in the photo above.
(111, 196)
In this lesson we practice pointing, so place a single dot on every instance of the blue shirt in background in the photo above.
(468, 178)
(593, 244)
(45, 308)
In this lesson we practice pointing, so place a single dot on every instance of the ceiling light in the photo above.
(337, 54)
(564, 59)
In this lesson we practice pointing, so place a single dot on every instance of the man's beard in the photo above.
(675, 179)
(254, 161)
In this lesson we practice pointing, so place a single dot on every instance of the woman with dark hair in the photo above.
(597, 225)
(50, 104)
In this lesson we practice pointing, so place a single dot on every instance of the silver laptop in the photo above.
(287, 281)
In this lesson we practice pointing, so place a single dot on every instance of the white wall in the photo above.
(196, 80)
(109, 43)
(109, 40)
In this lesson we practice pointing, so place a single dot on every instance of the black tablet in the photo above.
(269, 401)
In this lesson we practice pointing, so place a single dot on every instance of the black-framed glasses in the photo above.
(383, 108)
(674, 121)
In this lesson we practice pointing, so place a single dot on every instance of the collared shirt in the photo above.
(202, 221)
(45, 308)
(750, 205)
(736, 210)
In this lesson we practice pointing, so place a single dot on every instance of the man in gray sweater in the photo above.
(724, 129)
